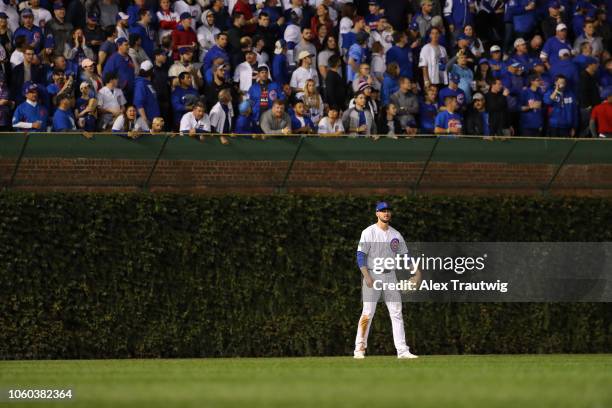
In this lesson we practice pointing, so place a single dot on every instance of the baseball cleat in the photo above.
(407, 354)
(359, 355)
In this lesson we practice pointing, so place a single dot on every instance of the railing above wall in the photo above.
(289, 154)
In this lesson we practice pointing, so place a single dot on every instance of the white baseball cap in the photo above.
(564, 51)
(146, 65)
(495, 48)
(561, 26)
(303, 55)
(519, 41)
(123, 16)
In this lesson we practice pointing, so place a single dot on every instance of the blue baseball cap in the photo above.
(483, 61)
(58, 5)
(555, 4)
(26, 12)
(186, 15)
(185, 49)
(462, 36)
(120, 41)
(414, 26)
(244, 106)
(382, 205)
(29, 87)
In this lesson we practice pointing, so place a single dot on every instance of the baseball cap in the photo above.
(519, 41)
(453, 77)
(462, 36)
(262, 68)
(146, 65)
(158, 51)
(185, 16)
(30, 87)
(93, 17)
(554, 4)
(517, 65)
(83, 85)
(58, 5)
(224, 66)
(564, 51)
(372, 3)
(303, 55)
(122, 16)
(413, 26)
(478, 95)
(26, 12)
(185, 49)
(495, 48)
(483, 61)
(244, 106)
(561, 27)
(120, 41)
(86, 63)
(382, 205)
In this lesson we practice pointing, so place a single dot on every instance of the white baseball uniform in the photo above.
(378, 243)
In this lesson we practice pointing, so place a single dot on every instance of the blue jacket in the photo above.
(275, 91)
(280, 70)
(34, 37)
(147, 43)
(551, 49)
(533, 118)
(427, 116)
(564, 112)
(178, 101)
(460, 14)
(569, 70)
(245, 125)
(124, 68)
(212, 54)
(403, 57)
(524, 21)
(296, 124)
(30, 114)
(466, 76)
(63, 121)
(146, 97)
(515, 84)
(390, 86)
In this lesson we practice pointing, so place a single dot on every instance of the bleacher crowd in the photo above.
(367, 67)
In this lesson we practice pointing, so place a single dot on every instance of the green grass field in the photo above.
(431, 381)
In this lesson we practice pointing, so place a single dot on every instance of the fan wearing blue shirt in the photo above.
(552, 46)
(453, 90)
(33, 34)
(63, 119)
(401, 54)
(448, 122)
(31, 115)
(121, 64)
(532, 113)
(563, 120)
(357, 55)
(145, 97)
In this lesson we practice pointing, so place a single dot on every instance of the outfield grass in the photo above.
(431, 381)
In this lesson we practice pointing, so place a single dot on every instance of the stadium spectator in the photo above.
(86, 109)
(111, 101)
(477, 117)
(246, 72)
(276, 120)
(6, 104)
(447, 121)
(136, 52)
(183, 35)
(552, 47)
(195, 122)
(303, 73)
(433, 60)
(331, 125)
(31, 115)
(24, 72)
(129, 124)
(121, 65)
(143, 30)
(335, 89)
(263, 93)
(497, 106)
(388, 123)
(313, 103)
(184, 96)
(168, 19)
(358, 119)
(601, 116)
(588, 95)
(222, 114)
(63, 120)
(245, 124)
(59, 28)
(563, 120)
(532, 104)
(145, 97)
(300, 123)
(428, 110)
(406, 106)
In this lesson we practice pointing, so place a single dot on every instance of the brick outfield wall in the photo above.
(265, 177)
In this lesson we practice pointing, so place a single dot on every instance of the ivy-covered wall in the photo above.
(130, 275)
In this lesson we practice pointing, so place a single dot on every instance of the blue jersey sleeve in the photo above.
(361, 259)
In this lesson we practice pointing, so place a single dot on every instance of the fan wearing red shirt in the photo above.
(243, 6)
(183, 35)
(601, 116)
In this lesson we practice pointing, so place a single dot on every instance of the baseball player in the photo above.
(380, 240)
